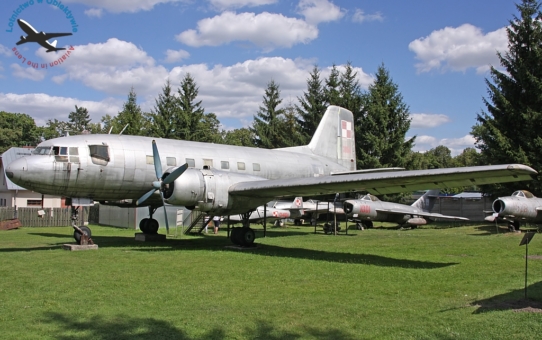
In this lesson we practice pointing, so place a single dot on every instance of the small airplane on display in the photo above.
(369, 208)
(39, 37)
(275, 212)
(522, 206)
(221, 179)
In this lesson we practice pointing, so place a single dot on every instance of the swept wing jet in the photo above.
(271, 213)
(522, 206)
(369, 208)
(39, 37)
(223, 179)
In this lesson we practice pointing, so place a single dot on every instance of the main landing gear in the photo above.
(243, 236)
(149, 225)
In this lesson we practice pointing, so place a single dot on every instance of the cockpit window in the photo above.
(370, 197)
(99, 154)
(42, 150)
(523, 193)
(61, 153)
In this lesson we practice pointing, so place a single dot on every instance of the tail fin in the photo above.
(297, 203)
(334, 137)
(427, 201)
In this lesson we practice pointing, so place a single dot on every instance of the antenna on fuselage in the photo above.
(110, 129)
(125, 126)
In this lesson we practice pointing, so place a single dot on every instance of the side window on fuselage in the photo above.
(99, 154)
(61, 153)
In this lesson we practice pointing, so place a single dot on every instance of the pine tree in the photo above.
(191, 113)
(79, 120)
(349, 90)
(130, 120)
(331, 89)
(509, 132)
(312, 107)
(382, 126)
(163, 115)
(267, 125)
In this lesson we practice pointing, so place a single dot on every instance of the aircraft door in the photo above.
(209, 190)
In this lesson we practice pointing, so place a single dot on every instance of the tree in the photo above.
(290, 127)
(349, 90)
(163, 116)
(382, 126)
(241, 137)
(79, 120)
(130, 120)
(267, 125)
(469, 157)
(209, 129)
(190, 117)
(312, 107)
(331, 89)
(17, 130)
(509, 132)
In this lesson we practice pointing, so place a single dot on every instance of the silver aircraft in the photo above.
(522, 206)
(369, 208)
(223, 179)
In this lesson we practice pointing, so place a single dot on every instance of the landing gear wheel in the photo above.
(247, 237)
(77, 234)
(143, 226)
(297, 221)
(368, 224)
(234, 237)
(153, 226)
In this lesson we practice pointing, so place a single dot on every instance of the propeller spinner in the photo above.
(160, 183)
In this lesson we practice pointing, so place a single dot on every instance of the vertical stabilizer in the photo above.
(427, 201)
(334, 137)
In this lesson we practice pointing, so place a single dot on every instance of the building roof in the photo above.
(469, 194)
(8, 157)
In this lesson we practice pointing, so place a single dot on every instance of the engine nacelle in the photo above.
(207, 190)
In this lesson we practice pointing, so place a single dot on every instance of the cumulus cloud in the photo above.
(119, 6)
(427, 120)
(174, 56)
(27, 72)
(42, 106)
(456, 145)
(94, 12)
(265, 30)
(317, 11)
(360, 16)
(459, 48)
(222, 5)
(5, 51)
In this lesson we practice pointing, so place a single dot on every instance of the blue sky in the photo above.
(437, 52)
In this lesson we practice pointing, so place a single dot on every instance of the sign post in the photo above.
(525, 241)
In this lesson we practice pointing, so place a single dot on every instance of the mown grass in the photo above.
(447, 283)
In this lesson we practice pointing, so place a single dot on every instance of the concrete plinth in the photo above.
(150, 238)
(78, 247)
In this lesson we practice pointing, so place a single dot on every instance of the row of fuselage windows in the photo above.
(207, 163)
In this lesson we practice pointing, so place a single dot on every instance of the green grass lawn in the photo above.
(429, 283)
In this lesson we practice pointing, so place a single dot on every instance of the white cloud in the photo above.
(174, 56)
(94, 12)
(458, 49)
(265, 30)
(222, 5)
(360, 16)
(5, 51)
(456, 145)
(317, 11)
(27, 72)
(119, 6)
(427, 120)
(42, 107)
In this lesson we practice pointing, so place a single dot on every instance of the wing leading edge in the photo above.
(385, 182)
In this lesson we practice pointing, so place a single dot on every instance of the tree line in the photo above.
(507, 133)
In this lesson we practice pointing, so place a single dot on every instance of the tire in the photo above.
(153, 226)
(235, 235)
(77, 234)
(143, 225)
(247, 237)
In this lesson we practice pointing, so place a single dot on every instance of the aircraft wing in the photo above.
(385, 182)
(423, 214)
(54, 35)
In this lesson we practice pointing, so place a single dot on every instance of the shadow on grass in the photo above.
(220, 243)
(122, 327)
(513, 300)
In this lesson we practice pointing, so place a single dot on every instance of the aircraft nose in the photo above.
(16, 169)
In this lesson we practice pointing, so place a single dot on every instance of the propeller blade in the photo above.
(175, 174)
(157, 162)
(144, 197)
(165, 212)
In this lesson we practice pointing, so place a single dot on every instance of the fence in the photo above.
(47, 217)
